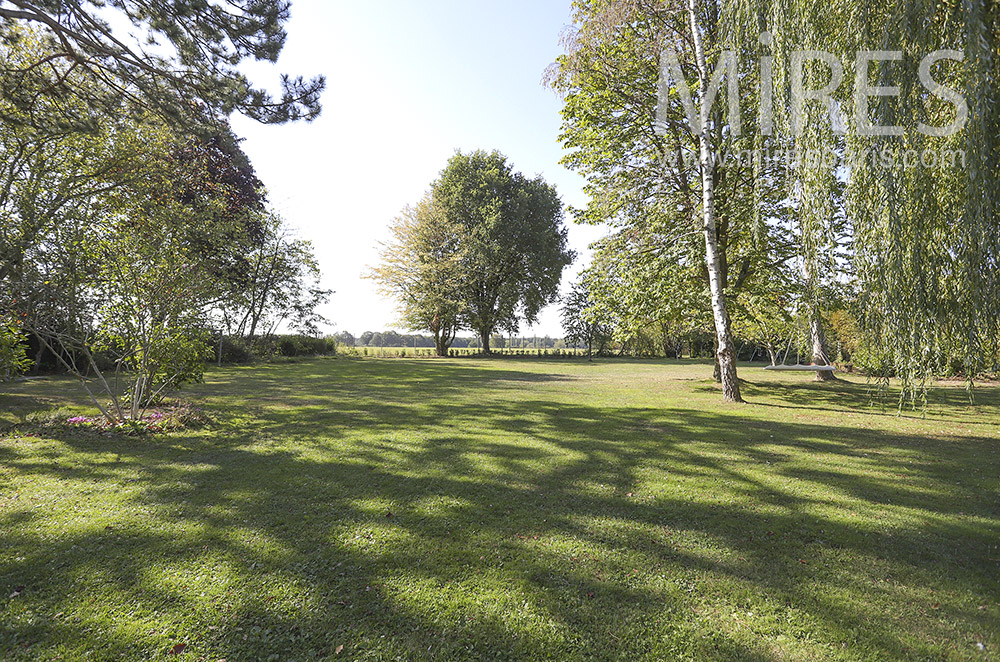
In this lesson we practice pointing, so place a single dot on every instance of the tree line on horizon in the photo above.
(393, 338)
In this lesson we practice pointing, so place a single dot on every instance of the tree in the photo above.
(49, 175)
(211, 173)
(422, 267)
(579, 322)
(184, 68)
(765, 318)
(514, 241)
(281, 283)
(635, 283)
(151, 289)
(128, 265)
(117, 242)
(709, 157)
(117, 276)
(345, 338)
(657, 159)
(925, 239)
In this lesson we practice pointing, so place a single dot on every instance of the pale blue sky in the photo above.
(407, 84)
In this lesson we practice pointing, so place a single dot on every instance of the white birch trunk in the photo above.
(724, 353)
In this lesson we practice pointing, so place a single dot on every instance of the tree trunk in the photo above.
(818, 337)
(37, 366)
(440, 343)
(484, 336)
(819, 356)
(724, 354)
(773, 353)
(716, 370)
(665, 341)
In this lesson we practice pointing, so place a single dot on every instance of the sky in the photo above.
(408, 83)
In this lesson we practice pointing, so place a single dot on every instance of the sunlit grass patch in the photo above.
(505, 509)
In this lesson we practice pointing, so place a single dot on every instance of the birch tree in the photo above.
(652, 141)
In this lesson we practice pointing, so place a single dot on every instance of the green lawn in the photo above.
(510, 509)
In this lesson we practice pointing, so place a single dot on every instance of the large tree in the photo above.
(116, 275)
(921, 141)
(513, 236)
(128, 264)
(47, 175)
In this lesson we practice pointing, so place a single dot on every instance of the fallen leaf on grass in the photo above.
(338, 649)
(17, 591)
(178, 649)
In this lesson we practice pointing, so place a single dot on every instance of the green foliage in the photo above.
(233, 350)
(422, 266)
(120, 245)
(670, 253)
(278, 282)
(846, 335)
(919, 245)
(13, 351)
(483, 250)
(514, 242)
(292, 345)
(179, 60)
(580, 322)
(925, 240)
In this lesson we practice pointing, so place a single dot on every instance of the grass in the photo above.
(510, 509)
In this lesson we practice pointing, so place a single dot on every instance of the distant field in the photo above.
(416, 352)
(509, 509)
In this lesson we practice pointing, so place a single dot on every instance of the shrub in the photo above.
(234, 350)
(240, 350)
(13, 352)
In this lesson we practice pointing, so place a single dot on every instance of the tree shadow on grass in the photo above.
(551, 530)
(846, 396)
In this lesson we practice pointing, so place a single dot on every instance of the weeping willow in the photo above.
(922, 208)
